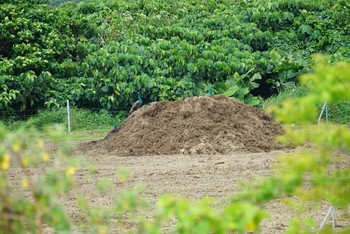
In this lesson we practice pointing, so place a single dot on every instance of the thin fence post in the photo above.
(326, 113)
(323, 109)
(331, 209)
(333, 219)
(325, 218)
(68, 115)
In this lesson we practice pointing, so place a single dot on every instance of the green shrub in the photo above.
(46, 117)
(294, 92)
(309, 174)
(33, 203)
(80, 119)
(339, 112)
(99, 54)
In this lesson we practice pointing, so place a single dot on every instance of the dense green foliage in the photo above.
(34, 41)
(318, 173)
(58, 2)
(101, 53)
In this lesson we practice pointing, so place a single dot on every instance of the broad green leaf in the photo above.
(275, 56)
(256, 76)
(231, 91)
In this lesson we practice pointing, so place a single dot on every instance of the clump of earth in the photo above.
(196, 125)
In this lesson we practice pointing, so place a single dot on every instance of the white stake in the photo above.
(68, 112)
(323, 109)
(331, 209)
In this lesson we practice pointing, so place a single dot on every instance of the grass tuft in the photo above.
(80, 120)
(338, 112)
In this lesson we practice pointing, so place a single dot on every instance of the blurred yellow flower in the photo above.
(102, 230)
(41, 144)
(70, 171)
(125, 205)
(15, 147)
(45, 156)
(5, 164)
(25, 183)
(251, 227)
(24, 162)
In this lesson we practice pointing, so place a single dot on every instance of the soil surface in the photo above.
(192, 176)
(196, 125)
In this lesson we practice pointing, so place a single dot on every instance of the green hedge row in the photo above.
(101, 53)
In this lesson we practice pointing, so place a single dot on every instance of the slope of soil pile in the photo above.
(196, 125)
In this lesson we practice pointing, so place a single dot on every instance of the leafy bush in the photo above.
(46, 118)
(315, 167)
(33, 205)
(58, 2)
(339, 112)
(99, 54)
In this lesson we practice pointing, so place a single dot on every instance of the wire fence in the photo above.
(26, 114)
(22, 115)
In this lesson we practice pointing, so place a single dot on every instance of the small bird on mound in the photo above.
(114, 129)
(137, 104)
(115, 125)
(210, 93)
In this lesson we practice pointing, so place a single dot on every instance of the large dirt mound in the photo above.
(196, 125)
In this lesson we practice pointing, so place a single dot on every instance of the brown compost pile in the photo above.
(196, 125)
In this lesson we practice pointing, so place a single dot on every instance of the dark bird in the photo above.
(210, 93)
(137, 104)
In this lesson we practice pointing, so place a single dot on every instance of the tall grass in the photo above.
(296, 91)
(80, 119)
(338, 112)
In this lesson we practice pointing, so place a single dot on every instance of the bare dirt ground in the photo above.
(193, 176)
